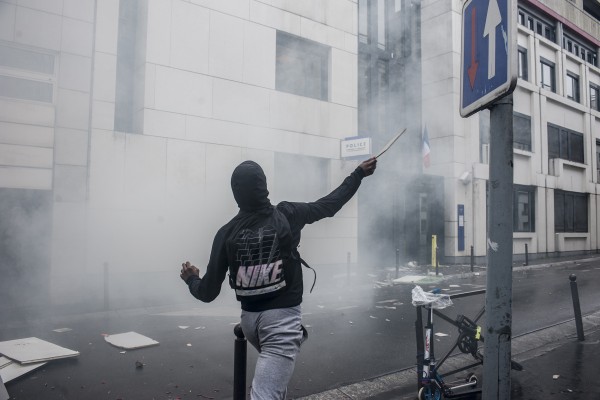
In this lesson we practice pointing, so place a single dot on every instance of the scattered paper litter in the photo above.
(34, 350)
(409, 279)
(200, 327)
(555, 376)
(183, 327)
(3, 392)
(61, 330)
(13, 370)
(370, 316)
(454, 285)
(189, 345)
(441, 334)
(4, 361)
(130, 340)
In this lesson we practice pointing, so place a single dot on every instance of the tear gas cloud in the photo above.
(145, 203)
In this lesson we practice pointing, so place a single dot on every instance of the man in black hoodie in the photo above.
(259, 249)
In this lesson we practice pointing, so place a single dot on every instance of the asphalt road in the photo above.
(357, 329)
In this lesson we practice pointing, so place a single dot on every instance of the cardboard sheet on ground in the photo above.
(3, 392)
(409, 279)
(130, 340)
(10, 370)
(33, 350)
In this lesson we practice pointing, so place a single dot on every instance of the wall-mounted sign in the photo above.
(355, 146)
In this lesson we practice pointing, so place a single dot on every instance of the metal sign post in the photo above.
(498, 299)
(488, 77)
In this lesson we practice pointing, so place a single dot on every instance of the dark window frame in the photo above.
(529, 210)
(579, 48)
(572, 82)
(523, 64)
(521, 131)
(302, 66)
(594, 99)
(534, 22)
(552, 66)
(571, 212)
(564, 143)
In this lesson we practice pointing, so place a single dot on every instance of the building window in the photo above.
(548, 77)
(570, 211)
(579, 49)
(484, 136)
(572, 86)
(541, 26)
(302, 67)
(597, 160)
(565, 144)
(363, 21)
(523, 70)
(125, 89)
(523, 208)
(381, 22)
(27, 74)
(521, 132)
(594, 92)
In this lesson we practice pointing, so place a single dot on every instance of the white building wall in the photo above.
(209, 102)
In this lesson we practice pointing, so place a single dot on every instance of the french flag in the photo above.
(425, 149)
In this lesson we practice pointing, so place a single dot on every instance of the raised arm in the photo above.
(328, 206)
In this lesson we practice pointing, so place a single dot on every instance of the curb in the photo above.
(524, 347)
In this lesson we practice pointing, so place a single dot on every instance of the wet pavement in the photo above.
(357, 336)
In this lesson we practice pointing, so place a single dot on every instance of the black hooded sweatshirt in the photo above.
(249, 186)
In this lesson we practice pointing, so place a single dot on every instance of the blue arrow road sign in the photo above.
(488, 66)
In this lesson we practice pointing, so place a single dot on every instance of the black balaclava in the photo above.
(249, 185)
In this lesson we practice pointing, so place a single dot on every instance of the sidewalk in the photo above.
(556, 365)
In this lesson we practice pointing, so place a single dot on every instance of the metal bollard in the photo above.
(472, 258)
(106, 300)
(576, 307)
(526, 255)
(437, 261)
(239, 364)
(348, 258)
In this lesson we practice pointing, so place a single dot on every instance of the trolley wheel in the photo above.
(430, 392)
(472, 378)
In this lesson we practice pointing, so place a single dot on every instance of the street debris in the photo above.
(33, 350)
(441, 334)
(139, 364)
(61, 330)
(409, 279)
(555, 376)
(183, 326)
(3, 392)
(130, 340)
(10, 370)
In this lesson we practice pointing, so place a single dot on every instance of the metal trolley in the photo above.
(431, 383)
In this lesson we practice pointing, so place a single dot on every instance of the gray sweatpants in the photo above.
(277, 335)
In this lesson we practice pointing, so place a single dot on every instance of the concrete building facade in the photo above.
(121, 122)
(128, 117)
(556, 128)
